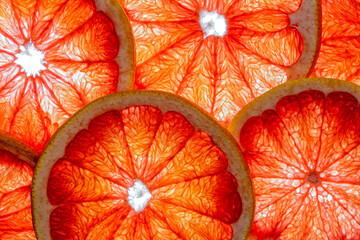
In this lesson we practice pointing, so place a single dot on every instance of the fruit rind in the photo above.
(19, 149)
(126, 53)
(312, 42)
(165, 102)
(269, 99)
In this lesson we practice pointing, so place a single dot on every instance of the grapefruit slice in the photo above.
(142, 165)
(57, 56)
(222, 54)
(301, 142)
(16, 171)
(340, 44)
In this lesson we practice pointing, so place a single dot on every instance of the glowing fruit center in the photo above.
(30, 59)
(139, 196)
(212, 23)
(313, 178)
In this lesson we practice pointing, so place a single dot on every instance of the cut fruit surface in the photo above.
(339, 55)
(142, 165)
(16, 170)
(301, 141)
(57, 56)
(222, 54)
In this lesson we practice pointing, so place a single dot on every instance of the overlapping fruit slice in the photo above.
(16, 171)
(222, 54)
(142, 165)
(339, 55)
(302, 144)
(57, 56)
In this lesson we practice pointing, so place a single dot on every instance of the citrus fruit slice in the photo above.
(16, 171)
(222, 54)
(339, 55)
(142, 165)
(55, 57)
(301, 142)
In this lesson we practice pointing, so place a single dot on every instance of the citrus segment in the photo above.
(24, 11)
(78, 219)
(63, 22)
(16, 170)
(66, 76)
(262, 21)
(140, 126)
(60, 55)
(186, 48)
(340, 131)
(112, 226)
(7, 45)
(64, 189)
(108, 130)
(339, 50)
(173, 69)
(262, 134)
(44, 13)
(303, 116)
(269, 45)
(286, 6)
(301, 142)
(160, 228)
(214, 201)
(174, 130)
(161, 11)
(188, 224)
(9, 24)
(86, 152)
(141, 165)
(198, 158)
(76, 47)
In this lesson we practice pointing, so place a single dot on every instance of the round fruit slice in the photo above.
(222, 54)
(16, 171)
(339, 55)
(57, 56)
(142, 165)
(301, 141)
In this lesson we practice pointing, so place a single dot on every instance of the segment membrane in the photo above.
(140, 126)
(69, 183)
(80, 219)
(189, 224)
(171, 136)
(200, 157)
(215, 196)
(96, 40)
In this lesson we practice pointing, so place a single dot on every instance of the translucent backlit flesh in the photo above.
(15, 201)
(192, 194)
(339, 55)
(304, 158)
(219, 71)
(78, 45)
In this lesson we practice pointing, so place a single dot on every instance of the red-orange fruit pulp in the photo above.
(222, 54)
(16, 171)
(55, 57)
(142, 165)
(189, 191)
(304, 159)
(339, 55)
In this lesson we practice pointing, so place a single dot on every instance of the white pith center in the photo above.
(138, 196)
(212, 23)
(30, 59)
(313, 178)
